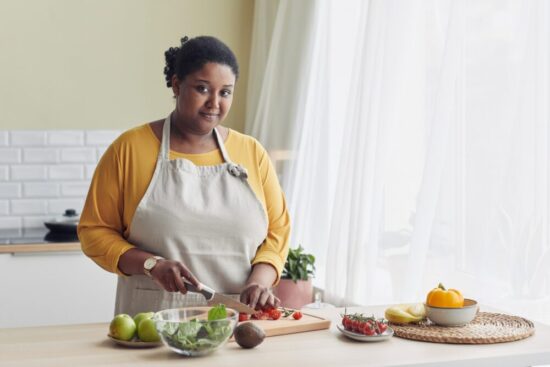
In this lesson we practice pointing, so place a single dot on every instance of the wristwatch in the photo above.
(150, 263)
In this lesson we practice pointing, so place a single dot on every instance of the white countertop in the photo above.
(87, 345)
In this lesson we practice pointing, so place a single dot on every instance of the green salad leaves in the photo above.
(217, 313)
(199, 335)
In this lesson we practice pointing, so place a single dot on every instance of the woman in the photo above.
(187, 197)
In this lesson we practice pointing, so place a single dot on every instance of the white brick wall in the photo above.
(79, 155)
(4, 207)
(10, 222)
(3, 138)
(10, 190)
(66, 172)
(41, 189)
(4, 173)
(42, 173)
(75, 189)
(28, 173)
(40, 155)
(20, 207)
(66, 138)
(28, 138)
(10, 155)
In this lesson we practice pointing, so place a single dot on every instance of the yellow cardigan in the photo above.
(123, 175)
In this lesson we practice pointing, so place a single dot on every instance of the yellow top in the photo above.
(123, 175)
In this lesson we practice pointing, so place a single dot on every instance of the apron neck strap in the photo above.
(219, 140)
(165, 144)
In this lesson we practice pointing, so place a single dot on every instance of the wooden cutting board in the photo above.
(288, 325)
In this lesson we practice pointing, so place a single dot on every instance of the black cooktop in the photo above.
(34, 235)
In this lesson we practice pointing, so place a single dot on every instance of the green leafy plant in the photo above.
(299, 266)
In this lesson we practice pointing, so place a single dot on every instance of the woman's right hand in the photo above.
(169, 274)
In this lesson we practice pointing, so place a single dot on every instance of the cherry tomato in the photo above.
(268, 309)
(382, 327)
(274, 314)
(346, 322)
(368, 329)
(243, 317)
(297, 315)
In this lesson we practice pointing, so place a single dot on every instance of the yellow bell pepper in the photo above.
(448, 298)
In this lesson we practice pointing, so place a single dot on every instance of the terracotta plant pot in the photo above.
(294, 295)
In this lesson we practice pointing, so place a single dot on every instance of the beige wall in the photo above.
(98, 64)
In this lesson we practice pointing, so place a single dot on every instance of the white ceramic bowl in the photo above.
(453, 316)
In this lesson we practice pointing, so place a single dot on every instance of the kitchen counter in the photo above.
(36, 240)
(39, 247)
(88, 345)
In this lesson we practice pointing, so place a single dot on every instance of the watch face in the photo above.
(149, 263)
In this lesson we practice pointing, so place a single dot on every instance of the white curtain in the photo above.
(418, 137)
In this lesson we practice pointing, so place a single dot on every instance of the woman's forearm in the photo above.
(262, 274)
(131, 262)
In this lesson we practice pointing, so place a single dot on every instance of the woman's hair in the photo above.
(194, 53)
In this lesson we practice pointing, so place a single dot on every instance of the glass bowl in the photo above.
(187, 330)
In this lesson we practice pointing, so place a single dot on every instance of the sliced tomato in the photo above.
(261, 315)
(275, 314)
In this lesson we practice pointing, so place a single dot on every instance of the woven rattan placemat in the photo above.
(486, 328)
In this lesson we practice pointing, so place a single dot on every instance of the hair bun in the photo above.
(194, 53)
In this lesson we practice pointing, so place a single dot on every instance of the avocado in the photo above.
(248, 335)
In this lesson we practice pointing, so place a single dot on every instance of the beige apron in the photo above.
(207, 217)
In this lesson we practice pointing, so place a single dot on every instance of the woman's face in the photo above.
(203, 98)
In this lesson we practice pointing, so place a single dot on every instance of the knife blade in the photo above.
(214, 298)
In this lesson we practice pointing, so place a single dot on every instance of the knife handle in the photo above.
(207, 292)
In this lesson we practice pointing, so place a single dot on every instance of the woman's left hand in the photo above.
(258, 296)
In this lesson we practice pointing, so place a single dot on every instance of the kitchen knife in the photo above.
(214, 298)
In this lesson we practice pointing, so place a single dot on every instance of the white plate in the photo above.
(366, 338)
(135, 343)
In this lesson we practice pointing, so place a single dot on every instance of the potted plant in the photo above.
(295, 288)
